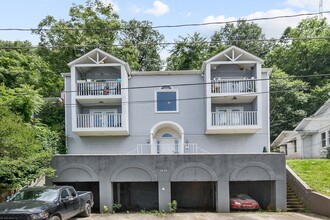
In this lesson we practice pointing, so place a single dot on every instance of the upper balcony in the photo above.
(88, 91)
(232, 86)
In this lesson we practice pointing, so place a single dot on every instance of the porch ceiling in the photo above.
(233, 99)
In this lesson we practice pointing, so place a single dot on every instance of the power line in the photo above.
(165, 43)
(187, 99)
(173, 26)
(207, 83)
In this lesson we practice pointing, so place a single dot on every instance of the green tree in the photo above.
(188, 53)
(303, 57)
(52, 115)
(19, 64)
(247, 36)
(24, 156)
(318, 96)
(288, 99)
(148, 42)
(23, 100)
(90, 26)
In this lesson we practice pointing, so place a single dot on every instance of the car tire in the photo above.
(55, 217)
(87, 210)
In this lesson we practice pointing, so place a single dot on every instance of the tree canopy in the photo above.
(26, 146)
(147, 41)
(288, 100)
(91, 25)
(245, 35)
(303, 57)
(188, 53)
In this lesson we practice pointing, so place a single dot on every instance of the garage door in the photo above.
(194, 196)
(136, 196)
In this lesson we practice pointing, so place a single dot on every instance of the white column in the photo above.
(223, 196)
(207, 80)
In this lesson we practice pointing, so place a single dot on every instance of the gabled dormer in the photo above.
(233, 83)
(99, 102)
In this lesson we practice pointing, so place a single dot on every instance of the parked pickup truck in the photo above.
(48, 202)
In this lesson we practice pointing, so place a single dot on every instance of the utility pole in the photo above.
(321, 9)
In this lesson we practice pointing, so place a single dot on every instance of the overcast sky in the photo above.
(28, 14)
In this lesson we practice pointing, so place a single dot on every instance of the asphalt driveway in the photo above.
(210, 216)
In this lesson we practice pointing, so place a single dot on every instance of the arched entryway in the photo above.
(167, 137)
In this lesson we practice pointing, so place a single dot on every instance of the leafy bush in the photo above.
(172, 206)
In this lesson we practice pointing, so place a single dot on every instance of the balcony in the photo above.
(107, 87)
(233, 122)
(232, 86)
(103, 92)
(190, 148)
(100, 125)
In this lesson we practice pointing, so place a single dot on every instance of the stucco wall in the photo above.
(191, 116)
(165, 169)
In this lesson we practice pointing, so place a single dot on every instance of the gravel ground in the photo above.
(208, 216)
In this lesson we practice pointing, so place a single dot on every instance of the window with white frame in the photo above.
(166, 100)
(323, 139)
(294, 145)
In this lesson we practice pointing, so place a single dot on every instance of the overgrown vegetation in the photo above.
(116, 207)
(315, 172)
(172, 206)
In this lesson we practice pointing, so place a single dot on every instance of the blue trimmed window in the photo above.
(167, 101)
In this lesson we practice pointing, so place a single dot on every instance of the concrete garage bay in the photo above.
(197, 182)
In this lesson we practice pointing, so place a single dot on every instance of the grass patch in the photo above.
(315, 172)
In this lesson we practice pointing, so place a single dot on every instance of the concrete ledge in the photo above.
(316, 202)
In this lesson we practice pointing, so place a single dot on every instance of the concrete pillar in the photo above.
(106, 194)
(164, 195)
(223, 196)
(280, 195)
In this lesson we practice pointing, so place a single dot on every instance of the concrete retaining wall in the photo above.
(315, 202)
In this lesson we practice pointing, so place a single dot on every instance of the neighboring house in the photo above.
(310, 138)
(143, 139)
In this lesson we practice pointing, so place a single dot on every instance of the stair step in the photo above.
(293, 202)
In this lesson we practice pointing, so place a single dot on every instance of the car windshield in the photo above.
(48, 195)
(243, 196)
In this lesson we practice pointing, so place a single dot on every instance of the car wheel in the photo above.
(87, 211)
(55, 217)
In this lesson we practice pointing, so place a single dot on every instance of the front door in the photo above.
(167, 144)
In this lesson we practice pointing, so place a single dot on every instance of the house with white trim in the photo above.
(311, 137)
(144, 139)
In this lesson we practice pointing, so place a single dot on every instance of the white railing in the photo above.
(233, 86)
(98, 88)
(234, 118)
(190, 148)
(99, 120)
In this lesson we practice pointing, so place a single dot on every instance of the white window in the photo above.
(166, 100)
(294, 145)
(323, 139)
